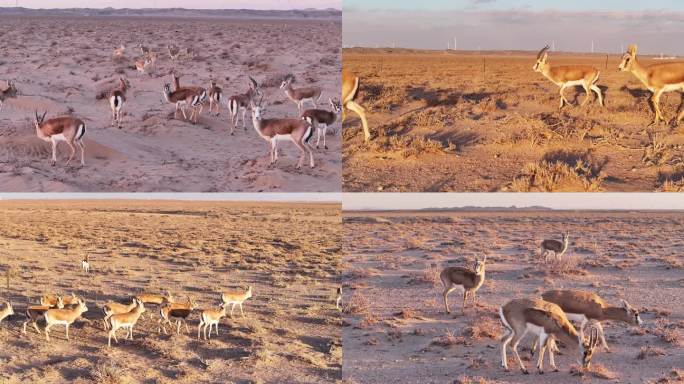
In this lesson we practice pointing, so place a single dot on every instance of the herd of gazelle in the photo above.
(191, 101)
(65, 310)
(547, 318)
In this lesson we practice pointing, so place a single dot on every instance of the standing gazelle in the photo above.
(183, 98)
(582, 306)
(547, 322)
(215, 97)
(117, 98)
(350, 90)
(240, 103)
(68, 129)
(321, 119)
(210, 317)
(6, 311)
(469, 280)
(558, 248)
(126, 321)
(300, 95)
(234, 298)
(658, 78)
(8, 93)
(569, 75)
(297, 130)
(64, 317)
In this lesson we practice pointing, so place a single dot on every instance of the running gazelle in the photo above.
(658, 78)
(568, 76)
(547, 322)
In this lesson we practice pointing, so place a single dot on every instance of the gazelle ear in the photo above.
(632, 50)
(625, 304)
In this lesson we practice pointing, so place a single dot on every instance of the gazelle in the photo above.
(200, 90)
(68, 129)
(179, 311)
(143, 49)
(113, 308)
(183, 98)
(234, 298)
(300, 95)
(240, 103)
(338, 300)
(8, 93)
(321, 117)
(6, 311)
(558, 248)
(51, 300)
(211, 317)
(350, 90)
(468, 279)
(35, 312)
(117, 98)
(215, 97)
(658, 78)
(297, 130)
(64, 317)
(174, 52)
(85, 264)
(568, 76)
(118, 52)
(126, 321)
(582, 306)
(547, 322)
(150, 298)
(70, 300)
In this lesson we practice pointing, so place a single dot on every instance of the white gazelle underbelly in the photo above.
(674, 87)
(283, 137)
(59, 137)
(535, 329)
(574, 83)
(576, 317)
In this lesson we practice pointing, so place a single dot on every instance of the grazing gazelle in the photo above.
(8, 93)
(85, 264)
(300, 95)
(233, 298)
(350, 90)
(468, 279)
(126, 321)
(321, 117)
(215, 97)
(547, 322)
(211, 317)
(568, 76)
(296, 130)
(6, 311)
(582, 306)
(183, 98)
(64, 316)
(558, 248)
(178, 311)
(34, 312)
(68, 129)
(240, 103)
(117, 98)
(113, 308)
(658, 78)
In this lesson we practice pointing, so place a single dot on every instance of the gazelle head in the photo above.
(254, 86)
(631, 314)
(124, 81)
(8, 309)
(287, 81)
(588, 346)
(335, 104)
(480, 265)
(167, 88)
(249, 292)
(39, 119)
(542, 58)
(257, 108)
(628, 59)
(11, 90)
(566, 237)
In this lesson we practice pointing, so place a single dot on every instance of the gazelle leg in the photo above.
(447, 290)
(310, 150)
(187, 330)
(352, 106)
(241, 312)
(465, 298)
(302, 152)
(67, 332)
(325, 133)
(551, 346)
(562, 97)
(231, 309)
(599, 327)
(587, 90)
(244, 125)
(54, 151)
(599, 94)
(514, 346)
(656, 106)
(541, 340)
(82, 147)
(73, 152)
(318, 136)
(199, 329)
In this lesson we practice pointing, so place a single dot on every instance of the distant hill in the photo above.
(496, 209)
(329, 14)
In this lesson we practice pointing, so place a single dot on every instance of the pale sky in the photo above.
(655, 25)
(195, 4)
(631, 201)
(283, 197)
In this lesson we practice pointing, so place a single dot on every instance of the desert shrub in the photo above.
(560, 171)
(656, 152)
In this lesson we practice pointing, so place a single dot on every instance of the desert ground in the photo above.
(289, 253)
(469, 121)
(395, 327)
(60, 63)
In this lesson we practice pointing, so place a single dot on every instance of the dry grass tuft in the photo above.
(649, 351)
(560, 175)
(482, 326)
(448, 339)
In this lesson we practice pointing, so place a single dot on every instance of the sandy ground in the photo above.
(442, 123)
(60, 64)
(396, 329)
(289, 253)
